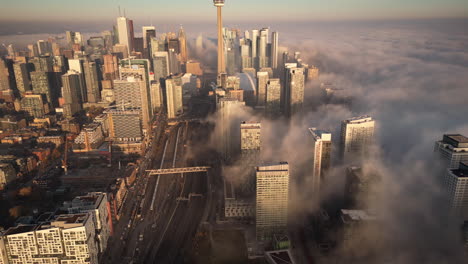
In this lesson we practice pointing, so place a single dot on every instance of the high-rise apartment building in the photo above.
(97, 204)
(35, 105)
(71, 93)
(262, 82)
(227, 130)
(273, 98)
(272, 200)
(66, 239)
(111, 67)
(41, 84)
(22, 77)
(7, 76)
(293, 90)
(92, 81)
(156, 96)
(456, 184)
(321, 143)
(274, 51)
(125, 125)
(148, 33)
(183, 46)
(250, 137)
(161, 65)
(452, 149)
(174, 96)
(357, 136)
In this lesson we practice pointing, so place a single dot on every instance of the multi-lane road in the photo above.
(161, 213)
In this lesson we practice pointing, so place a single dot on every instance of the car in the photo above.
(154, 225)
(140, 238)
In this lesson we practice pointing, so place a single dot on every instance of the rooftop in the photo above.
(19, 229)
(356, 216)
(279, 257)
(456, 140)
(358, 120)
(462, 171)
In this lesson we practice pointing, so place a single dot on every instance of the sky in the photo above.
(235, 10)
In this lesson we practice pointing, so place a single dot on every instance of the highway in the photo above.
(161, 213)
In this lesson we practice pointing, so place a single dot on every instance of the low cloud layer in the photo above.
(412, 78)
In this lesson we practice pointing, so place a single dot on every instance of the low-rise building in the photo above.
(90, 137)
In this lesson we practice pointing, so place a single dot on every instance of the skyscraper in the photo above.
(23, 80)
(92, 82)
(321, 141)
(263, 59)
(148, 33)
(123, 27)
(357, 136)
(452, 149)
(161, 64)
(221, 62)
(35, 105)
(272, 200)
(174, 96)
(293, 90)
(274, 51)
(456, 182)
(227, 130)
(72, 87)
(111, 67)
(7, 76)
(262, 82)
(183, 46)
(273, 97)
(41, 85)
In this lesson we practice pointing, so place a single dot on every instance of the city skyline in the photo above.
(274, 10)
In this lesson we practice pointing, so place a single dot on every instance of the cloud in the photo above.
(412, 79)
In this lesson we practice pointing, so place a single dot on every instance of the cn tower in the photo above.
(221, 64)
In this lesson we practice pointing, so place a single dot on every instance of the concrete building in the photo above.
(35, 105)
(7, 174)
(272, 200)
(357, 136)
(273, 98)
(321, 144)
(156, 96)
(22, 77)
(93, 81)
(125, 125)
(194, 68)
(71, 93)
(68, 239)
(132, 92)
(41, 84)
(274, 51)
(125, 34)
(456, 184)
(98, 205)
(90, 138)
(262, 83)
(452, 150)
(293, 95)
(110, 67)
(227, 130)
(174, 96)
(250, 136)
(161, 65)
